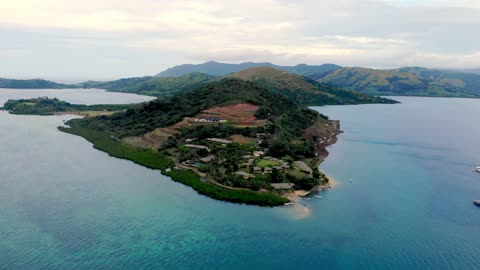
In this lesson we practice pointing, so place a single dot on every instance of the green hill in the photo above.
(32, 84)
(220, 69)
(280, 133)
(302, 89)
(171, 110)
(152, 86)
(408, 81)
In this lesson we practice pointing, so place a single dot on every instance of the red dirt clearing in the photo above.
(242, 114)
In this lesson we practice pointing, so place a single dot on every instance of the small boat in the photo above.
(350, 181)
(477, 169)
(288, 203)
(476, 202)
(318, 196)
(308, 199)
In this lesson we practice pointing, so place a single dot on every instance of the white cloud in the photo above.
(371, 33)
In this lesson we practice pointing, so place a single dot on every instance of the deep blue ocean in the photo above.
(65, 205)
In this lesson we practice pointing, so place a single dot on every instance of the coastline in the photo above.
(154, 160)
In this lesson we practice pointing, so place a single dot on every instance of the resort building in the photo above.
(196, 146)
(244, 174)
(217, 140)
(302, 166)
(282, 186)
(258, 154)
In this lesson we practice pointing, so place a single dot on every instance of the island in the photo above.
(47, 106)
(231, 140)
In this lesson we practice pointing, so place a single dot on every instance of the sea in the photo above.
(405, 184)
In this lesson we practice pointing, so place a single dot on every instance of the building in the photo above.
(282, 186)
(207, 159)
(302, 166)
(258, 154)
(217, 140)
(196, 146)
(244, 174)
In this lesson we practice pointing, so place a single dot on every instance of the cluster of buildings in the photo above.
(210, 120)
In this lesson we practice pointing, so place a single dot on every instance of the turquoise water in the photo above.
(65, 205)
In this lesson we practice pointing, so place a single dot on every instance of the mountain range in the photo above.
(219, 69)
(319, 84)
(302, 89)
(406, 81)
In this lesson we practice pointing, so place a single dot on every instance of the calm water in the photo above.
(64, 205)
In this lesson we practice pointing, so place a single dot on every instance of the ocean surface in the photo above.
(65, 205)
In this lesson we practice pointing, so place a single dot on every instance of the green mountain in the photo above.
(302, 89)
(220, 69)
(408, 81)
(152, 86)
(222, 151)
(171, 110)
(32, 84)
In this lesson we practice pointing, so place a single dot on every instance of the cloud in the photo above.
(370, 33)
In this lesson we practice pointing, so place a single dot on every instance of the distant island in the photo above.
(342, 82)
(47, 106)
(32, 84)
(231, 140)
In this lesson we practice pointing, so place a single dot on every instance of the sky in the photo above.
(106, 39)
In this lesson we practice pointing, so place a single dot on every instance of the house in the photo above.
(267, 170)
(213, 119)
(217, 140)
(257, 169)
(244, 174)
(247, 156)
(258, 154)
(189, 140)
(207, 159)
(196, 146)
(282, 186)
(302, 166)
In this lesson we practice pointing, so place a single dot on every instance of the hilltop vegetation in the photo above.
(152, 86)
(167, 112)
(220, 69)
(32, 84)
(302, 89)
(409, 81)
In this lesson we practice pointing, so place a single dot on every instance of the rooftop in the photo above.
(217, 140)
(282, 185)
(303, 166)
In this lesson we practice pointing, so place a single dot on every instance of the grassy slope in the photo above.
(406, 81)
(153, 86)
(164, 113)
(148, 158)
(302, 89)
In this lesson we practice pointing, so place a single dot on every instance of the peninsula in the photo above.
(231, 140)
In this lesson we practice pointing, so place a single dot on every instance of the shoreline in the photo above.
(297, 194)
